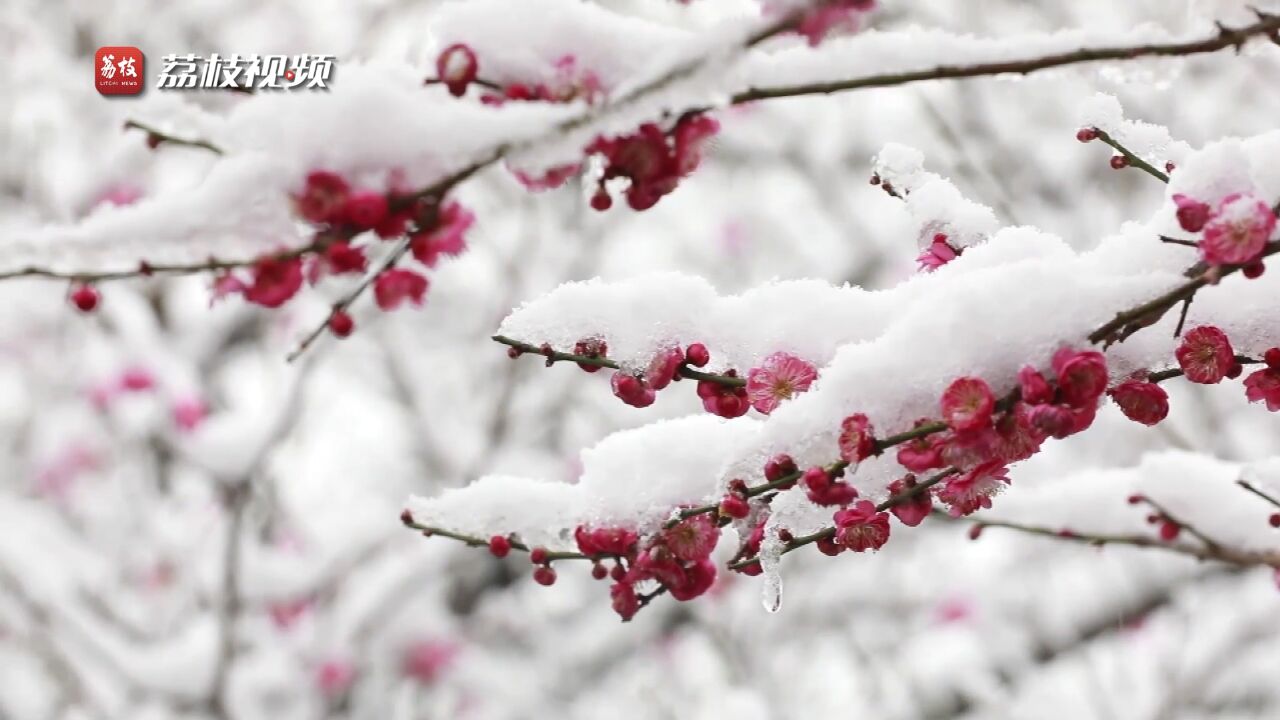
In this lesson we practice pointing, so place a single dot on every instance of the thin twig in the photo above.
(157, 137)
(1133, 159)
(554, 356)
(1130, 321)
(147, 269)
(1232, 556)
(1265, 25)
(1258, 491)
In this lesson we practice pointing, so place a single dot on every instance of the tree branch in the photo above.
(554, 356)
(156, 137)
(1220, 553)
(1134, 160)
(1266, 25)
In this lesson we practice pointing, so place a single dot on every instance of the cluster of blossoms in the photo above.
(968, 448)
(457, 68)
(780, 377)
(1206, 357)
(1235, 232)
(652, 160)
(341, 213)
(570, 83)
(676, 560)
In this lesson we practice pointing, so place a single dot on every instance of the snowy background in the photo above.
(194, 528)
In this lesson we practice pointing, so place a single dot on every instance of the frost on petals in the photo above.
(393, 287)
(1238, 232)
(781, 377)
(967, 404)
(1141, 401)
(1205, 355)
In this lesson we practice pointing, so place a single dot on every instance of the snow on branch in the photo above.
(389, 149)
(961, 371)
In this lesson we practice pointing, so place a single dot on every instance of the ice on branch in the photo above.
(624, 483)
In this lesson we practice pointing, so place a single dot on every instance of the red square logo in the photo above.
(118, 70)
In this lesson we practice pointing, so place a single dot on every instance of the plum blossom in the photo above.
(275, 281)
(862, 527)
(781, 377)
(967, 404)
(693, 538)
(971, 491)
(1238, 231)
(189, 413)
(1205, 355)
(334, 676)
(832, 17)
(632, 389)
(1192, 214)
(322, 198)
(1264, 385)
(1141, 401)
(456, 66)
(857, 440)
(922, 453)
(447, 238)
(426, 659)
(393, 287)
(1082, 376)
(912, 511)
(938, 253)
(723, 400)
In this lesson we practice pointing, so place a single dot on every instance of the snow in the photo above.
(111, 582)
(1196, 489)
(623, 484)
(886, 353)
(1146, 140)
